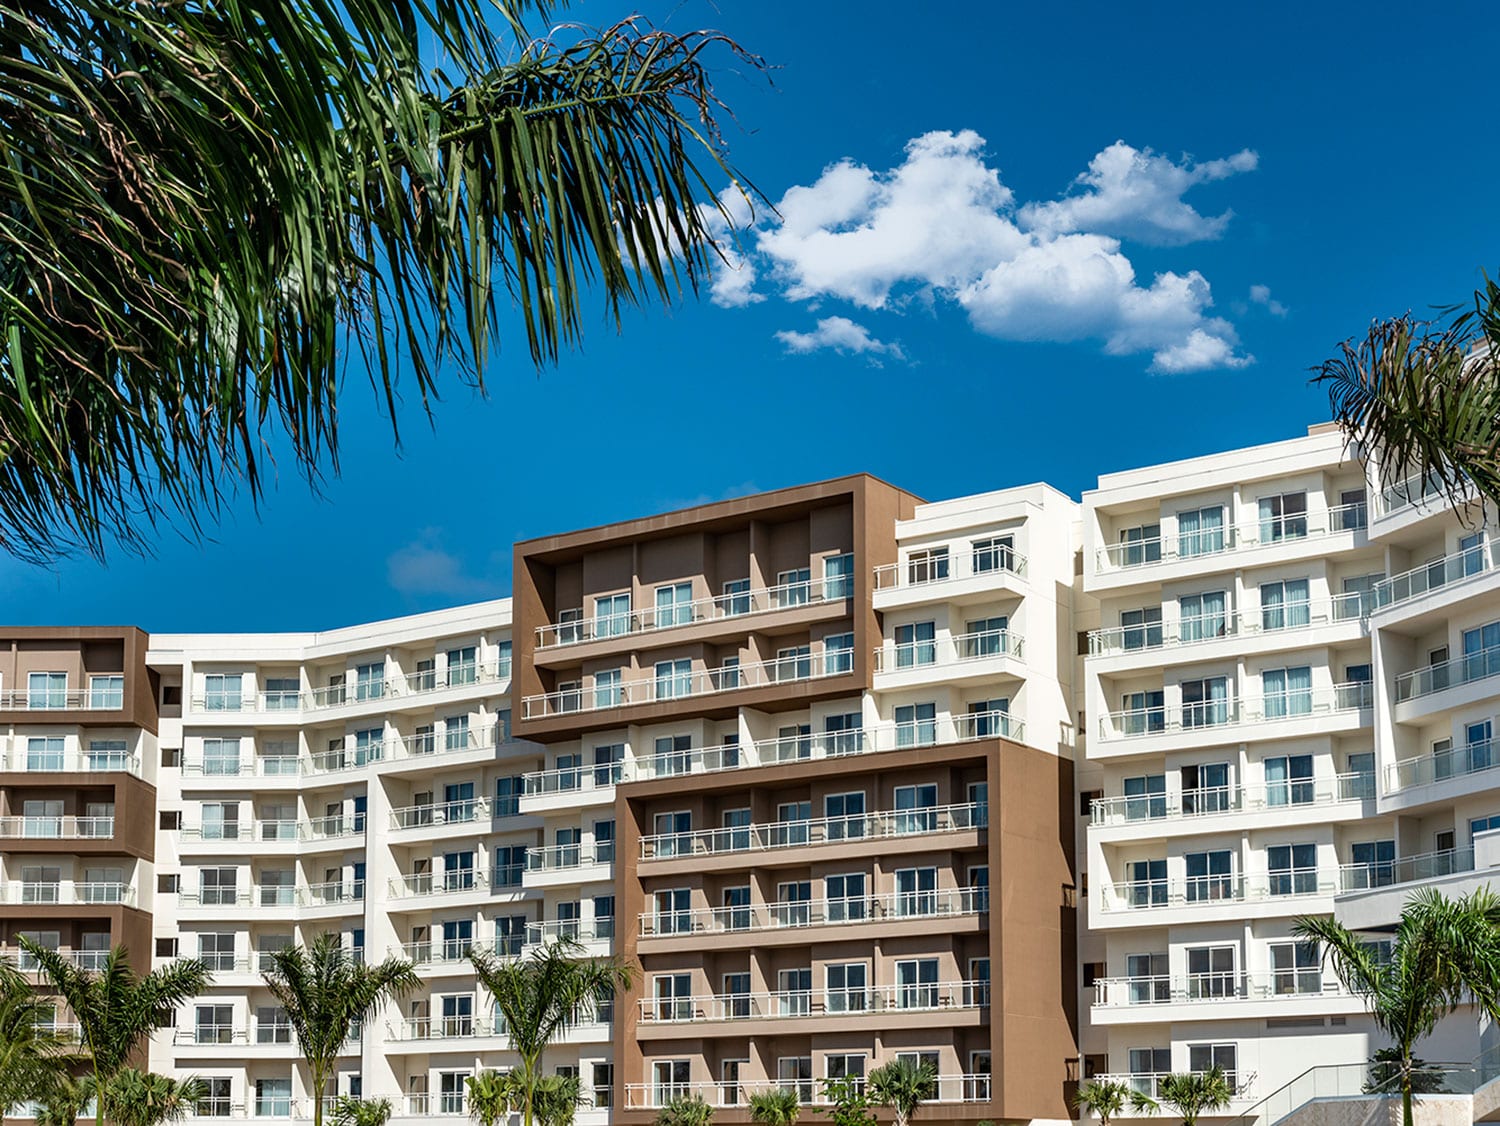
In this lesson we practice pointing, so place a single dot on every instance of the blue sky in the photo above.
(950, 307)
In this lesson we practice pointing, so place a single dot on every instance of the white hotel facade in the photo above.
(1276, 684)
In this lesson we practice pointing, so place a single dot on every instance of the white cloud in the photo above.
(941, 226)
(425, 567)
(1135, 194)
(842, 335)
(1261, 295)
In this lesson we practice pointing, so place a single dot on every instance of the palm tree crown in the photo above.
(326, 992)
(903, 1085)
(775, 1106)
(1106, 1098)
(31, 1058)
(1194, 1093)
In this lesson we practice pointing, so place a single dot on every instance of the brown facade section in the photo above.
(1023, 924)
(731, 652)
(77, 652)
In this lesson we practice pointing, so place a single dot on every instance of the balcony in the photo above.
(465, 812)
(26, 962)
(411, 885)
(964, 728)
(682, 686)
(439, 953)
(1213, 988)
(1201, 719)
(1273, 622)
(877, 1001)
(254, 834)
(444, 1028)
(892, 907)
(341, 759)
(1436, 575)
(745, 604)
(1431, 679)
(1209, 543)
(63, 699)
(24, 760)
(1429, 769)
(571, 930)
(60, 828)
(1280, 798)
(959, 576)
(568, 786)
(69, 892)
(950, 651)
(1209, 893)
(1406, 870)
(555, 865)
(946, 1089)
(393, 687)
(851, 829)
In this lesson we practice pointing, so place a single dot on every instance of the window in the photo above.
(369, 744)
(838, 653)
(838, 577)
(842, 734)
(1205, 788)
(604, 1085)
(794, 588)
(674, 834)
(452, 1091)
(611, 615)
(1139, 545)
(916, 983)
(1142, 713)
(1146, 1066)
(456, 733)
(987, 719)
(1286, 692)
(674, 679)
(1210, 875)
(510, 862)
(604, 916)
(216, 951)
(1284, 604)
(1200, 531)
(1296, 967)
(727, 675)
(607, 692)
(916, 725)
(1205, 703)
(1203, 616)
(674, 755)
(1211, 972)
(792, 823)
(1146, 883)
(1293, 869)
(1283, 517)
(220, 821)
(1481, 653)
(266, 948)
(794, 1073)
(47, 690)
(794, 903)
(369, 681)
(916, 891)
(1146, 797)
(272, 1025)
(669, 1080)
(221, 692)
(994, 554)
(214, 1102)
(845, 815)
(1140, 629)
(737, 908)
(794, 663)
(674, 605)
(847, 987)
(736, 598)
(1479, 825)
(916, 809)
(608, 764)
(927, 566)
(673, 911)
(463, 665)
(1205, 1057)
(1289, 780)
(107, 754)
(1148, 982)
(510, 934)
(107, 691)
(979, 887)
(503, 653)
(273, 1098)
(1373, 865)
(221, 756)
(217, 885)
(916, 645)
(846, 897)
(1352, 513)
(674, 996)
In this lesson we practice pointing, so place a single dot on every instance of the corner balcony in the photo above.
(1166, 558)
(912, 912)
(569, 787)
(599, 933)
(1206, 637)
(1344, 707)
(440, 815)
(945, 1090)
(1300, 801)
(1443, 775)
(940, 1004)
(564, 865)
(1418, 589)
(728, 611)
(1166, 902)
(1408, 503)
(685, 686)
(959, 658)
(21, 759)
(941, 731)
(1372, 894)
(1456, 682)
(960, 578)
(56, 828)
(63, 699)
(844, 832)
(1163, 999)
(437, 885)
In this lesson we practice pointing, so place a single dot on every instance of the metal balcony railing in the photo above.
(921, 570)
(956, 649)
(1210, 542)
(1207, 801)
(878, 824)
(1279, 985)
(892, 907)
(60, 827)
(885, 1000)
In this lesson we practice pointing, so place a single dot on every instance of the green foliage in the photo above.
(1446, 953)
(1106, 1098)
(1425, 396)
(1195, 1093)
(555, 1100)
(685, 1110)
(849, 1102)
(541, 996)
(902, 1085)
(493, 1095)
(1385, 1073)
(32, 1060)
(326, 993)
(350, 1110)
(775, 1106)
(143, 1098)
(205, 207)
(116, 1010)
(64, 1105)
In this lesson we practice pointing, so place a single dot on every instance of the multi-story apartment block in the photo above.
(807, 760)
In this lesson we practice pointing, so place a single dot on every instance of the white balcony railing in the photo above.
(446, 1104)
(893, 907)
(68, 891)
(1439, 573)
(1430, 679)
(410, 884)
(462, 812)
(444, 1028)
(922, 569)
(1208, 801)
(878, 1001)
(956, 649)
(651, 619)
(556, 858)
(816, 831)
(1210, 542)
(1289, 706)
(62, 699)
(391, 686)
(25, 960)
(1288, 618)
(58, 828)
(972, 1088)
(23, 759)
(573, 930)
(1424, 770)
(1414, 490)
(1406, 870)
(686, 685)
(339, 759)
(1209, 891)
(1207, 988)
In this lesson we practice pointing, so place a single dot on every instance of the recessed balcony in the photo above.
(1429, 680)
(26, 759)
(959, 657)
(90, 893)
(884, 1002)
(1211, 893)
(391, 690)
(1190, 806)
(1265, 717)
(944, 1089)
(57, 828)
(1270, 627)
(893, 907)
(839, 831)
(1209, 544)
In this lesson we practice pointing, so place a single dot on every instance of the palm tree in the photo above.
(775, 1106)
(492, 1095)
(1445, 953)
(1106, 1098)
(902, 1085)
(143, 1098)
(1194, 1093)
(32, 1064)
(326, 992)
(555, 1100)
(541, 996)
(685, 1110)
(116, 1010)
(204, 206)
(65, 1103)
(1424, 396)
(350, 1110)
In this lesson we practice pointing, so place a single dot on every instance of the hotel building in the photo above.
(1029, 788)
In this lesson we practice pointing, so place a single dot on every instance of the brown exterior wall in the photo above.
(79, 651)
